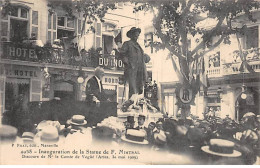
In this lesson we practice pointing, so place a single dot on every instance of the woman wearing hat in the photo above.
(134, 60)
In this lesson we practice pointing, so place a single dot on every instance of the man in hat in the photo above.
(130, 122)
(94, 89)
(134, 60)
(141, 120)
(158, 126)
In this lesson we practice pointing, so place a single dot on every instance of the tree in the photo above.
(90, 10)
(176, 21)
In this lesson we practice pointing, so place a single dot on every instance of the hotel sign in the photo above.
(11, 51)
(19, 72)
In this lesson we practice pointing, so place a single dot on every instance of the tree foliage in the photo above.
(90, 10)
(176, 21)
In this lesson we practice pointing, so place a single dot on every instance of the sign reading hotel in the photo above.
(19, 72)
(12, 51)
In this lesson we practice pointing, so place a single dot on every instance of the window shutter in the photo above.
(98, 35)
(36, 90)
(35, 17)
(122, 93)
(4, 28)
(79, 26)
(49, 21)
(2, 93)
(52, 27)
(49, 27)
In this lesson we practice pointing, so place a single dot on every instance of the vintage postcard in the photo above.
(120, 82)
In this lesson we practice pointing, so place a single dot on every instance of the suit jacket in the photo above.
(130, 52)
(139, 128)
(92, 89)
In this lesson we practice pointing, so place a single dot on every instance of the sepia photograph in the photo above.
(129, 82)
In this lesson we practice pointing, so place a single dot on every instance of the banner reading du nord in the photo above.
(110, 62)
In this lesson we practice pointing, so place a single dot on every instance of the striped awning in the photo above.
(109, 87)
(17, 80)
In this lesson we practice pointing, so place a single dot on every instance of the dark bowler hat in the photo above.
(130, 119)
(132, 30)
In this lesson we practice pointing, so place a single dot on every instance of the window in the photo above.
(251, 37)
(149, 41)
(66, 27)
(16, 26)
(35, 28)
(24, 13)
(64, 33)
(214, 105)
(18, 30)
(169, 102)
(66, 22)
(107, 44)
(108, 31)
(14, 11)
(214, 60)
(19, 25)
(52, 27)
(70, 22)
(61, 21)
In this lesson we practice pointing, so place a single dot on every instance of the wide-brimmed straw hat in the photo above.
(133, 141)
(249, 114)
(145, 142)
(45, 123)
(49, 134)
(28, 137)
(132, 30)
(78, 120)
(221, 147)
(8, 134)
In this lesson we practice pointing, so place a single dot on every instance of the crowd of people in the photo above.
(166, 134)
(189, 135)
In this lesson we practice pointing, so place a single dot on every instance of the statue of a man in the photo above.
(134, 61)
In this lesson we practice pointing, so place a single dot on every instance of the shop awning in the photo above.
(109, 87)
(17, 81)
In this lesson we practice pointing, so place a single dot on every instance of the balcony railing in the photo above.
(233, 68)
(214, 72)
(252, 57)
(55, 54)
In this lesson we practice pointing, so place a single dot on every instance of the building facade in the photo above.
(46, 54)
(232, 91)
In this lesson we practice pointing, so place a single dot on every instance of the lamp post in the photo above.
(243, 94)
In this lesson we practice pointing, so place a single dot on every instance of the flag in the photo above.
(245, 66)
(118, 38)
(204, 81)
